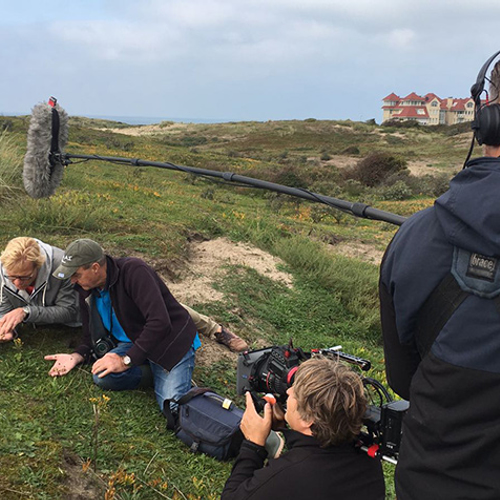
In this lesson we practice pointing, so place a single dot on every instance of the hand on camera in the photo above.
(254, 427)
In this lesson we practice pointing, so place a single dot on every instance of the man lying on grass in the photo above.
(128, 311)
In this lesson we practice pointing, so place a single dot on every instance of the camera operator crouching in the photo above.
(325, 408)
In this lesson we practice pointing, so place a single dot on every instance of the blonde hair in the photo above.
(21, 250)
(331, 395)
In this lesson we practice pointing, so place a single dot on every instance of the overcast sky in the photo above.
(239, 59)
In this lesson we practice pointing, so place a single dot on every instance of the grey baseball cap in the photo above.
(78, 253)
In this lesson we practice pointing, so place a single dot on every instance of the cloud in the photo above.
(230, 56)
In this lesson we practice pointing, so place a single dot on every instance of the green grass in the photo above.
(49, 425)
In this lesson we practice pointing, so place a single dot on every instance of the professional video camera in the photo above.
(273, 370)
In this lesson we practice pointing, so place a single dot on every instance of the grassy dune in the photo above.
(64, 437)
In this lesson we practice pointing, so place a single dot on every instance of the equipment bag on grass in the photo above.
(207, 422)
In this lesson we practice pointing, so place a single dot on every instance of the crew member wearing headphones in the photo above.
(440, 311)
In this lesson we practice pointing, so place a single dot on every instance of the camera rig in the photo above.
(273, 370)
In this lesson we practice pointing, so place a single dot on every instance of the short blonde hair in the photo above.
(331, 395)
(21, 250)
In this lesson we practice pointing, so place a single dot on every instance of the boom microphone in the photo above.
(47, 136)
(45, 161)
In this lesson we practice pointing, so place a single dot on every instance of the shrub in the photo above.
(433, 185)
(351, 150)
(6, 124)
(397, 192)
(401, 124)
(353, 188)
(440, 184)
(291, 176)
(193, 140)
(375, 168)
(325, 157)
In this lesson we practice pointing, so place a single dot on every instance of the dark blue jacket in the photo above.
(451, 436)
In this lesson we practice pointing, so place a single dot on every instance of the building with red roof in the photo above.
(427, 110)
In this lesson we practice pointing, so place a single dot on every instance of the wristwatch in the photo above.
(26, 312)
(126, 360)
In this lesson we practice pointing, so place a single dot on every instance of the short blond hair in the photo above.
(21, 250)
(331, 395)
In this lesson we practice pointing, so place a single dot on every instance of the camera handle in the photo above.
(364, 364)
(373, 452)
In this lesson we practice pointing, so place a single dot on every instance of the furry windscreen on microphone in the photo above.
(43, 173)
(495, 84)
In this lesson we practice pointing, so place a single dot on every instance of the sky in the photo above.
(239, 60)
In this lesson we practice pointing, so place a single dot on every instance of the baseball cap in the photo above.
(78, 253)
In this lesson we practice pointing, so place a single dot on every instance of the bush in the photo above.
(397, 192)
(354, 188)
(401, 124)
(291, 176)
(440, 184)
(431, 185)
(376, 168)
(351, 150)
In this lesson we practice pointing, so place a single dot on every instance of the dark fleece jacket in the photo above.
(305, 471)
(158, 326)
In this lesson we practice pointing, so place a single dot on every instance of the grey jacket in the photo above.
(52, 301)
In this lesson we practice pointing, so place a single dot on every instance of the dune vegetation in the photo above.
(64, 438)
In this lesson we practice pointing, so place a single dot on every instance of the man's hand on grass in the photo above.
(64, 363)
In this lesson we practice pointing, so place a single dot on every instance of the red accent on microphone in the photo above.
(52, 102)
(290, 375)
(372, 450)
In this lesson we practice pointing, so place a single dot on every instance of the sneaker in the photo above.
(231, 340)
(274, 445)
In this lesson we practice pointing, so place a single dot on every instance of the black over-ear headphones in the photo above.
(486, 123)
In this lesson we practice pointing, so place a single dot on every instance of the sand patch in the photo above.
(206, 265)
(358, 250)
(207, 261)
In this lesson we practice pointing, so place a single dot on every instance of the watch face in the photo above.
(126, 360)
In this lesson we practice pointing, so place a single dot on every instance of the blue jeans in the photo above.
(171, 385)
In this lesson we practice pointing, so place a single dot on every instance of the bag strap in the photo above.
(167, 413)
(436, 311)
(192, 393)
(171, 418)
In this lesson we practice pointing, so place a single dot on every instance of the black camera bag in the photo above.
(207, 423)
